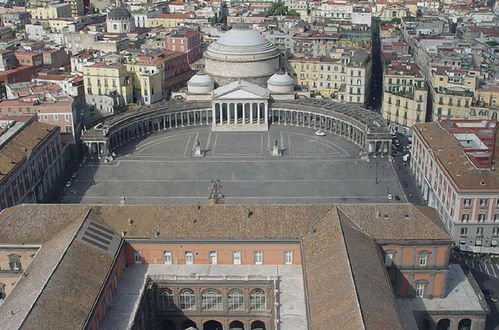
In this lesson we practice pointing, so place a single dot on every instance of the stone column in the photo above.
(258, 114)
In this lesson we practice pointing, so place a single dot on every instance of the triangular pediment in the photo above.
(240, 89)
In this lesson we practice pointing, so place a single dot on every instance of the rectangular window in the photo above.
(288, 257)
(167, 257)
(479, 231)
(423, 259)
(467, 202)
(465, 218)
(137, 256)
(481, 217)
(189, 257)
(464, 231)
(483, 202)
(258, 258)
(213, 257)
(236, 257)
(495, 231)
(420, 289)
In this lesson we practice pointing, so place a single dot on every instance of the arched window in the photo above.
(165, 300)
(464, 324)
(258, 300)
(236, 300)
(211, 300)
(187, 299)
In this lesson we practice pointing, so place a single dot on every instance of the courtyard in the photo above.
(161, 169)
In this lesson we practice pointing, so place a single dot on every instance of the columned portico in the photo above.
(240, 106)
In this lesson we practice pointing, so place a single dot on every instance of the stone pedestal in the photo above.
(275, 152)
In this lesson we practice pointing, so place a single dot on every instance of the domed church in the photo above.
(241, 53)
(119, 20)
(241, 76)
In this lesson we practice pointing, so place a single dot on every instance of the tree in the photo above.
(279, 9)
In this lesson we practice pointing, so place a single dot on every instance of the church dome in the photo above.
(241, 40)
(281, 82)
(200, 83)
(119, 13)
(281, 79)
(241, 53)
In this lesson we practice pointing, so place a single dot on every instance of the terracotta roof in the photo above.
(15, 150)
(337, 241)
(452, 159)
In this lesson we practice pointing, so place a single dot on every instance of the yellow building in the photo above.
(345, 77)
(452, 92)
(56, 10)
(107, 86)
(57, 24)
(147, 79)
(486, 103)
(405, 97)
(168, 20)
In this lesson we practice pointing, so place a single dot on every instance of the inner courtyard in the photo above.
(161, 168)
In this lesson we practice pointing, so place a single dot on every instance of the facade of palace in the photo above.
(213, 267)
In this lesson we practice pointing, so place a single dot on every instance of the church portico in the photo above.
(240, 106)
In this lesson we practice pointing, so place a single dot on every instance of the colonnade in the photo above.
(233, 116)
(331, 124)
(240, 113)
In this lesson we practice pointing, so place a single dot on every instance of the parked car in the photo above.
(397, 197)
(389, 197)
(320, 133)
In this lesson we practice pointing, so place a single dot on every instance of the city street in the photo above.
(402, 169)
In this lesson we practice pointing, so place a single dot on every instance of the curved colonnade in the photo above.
(363, 127)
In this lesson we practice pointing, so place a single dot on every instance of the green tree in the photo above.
(279, 9)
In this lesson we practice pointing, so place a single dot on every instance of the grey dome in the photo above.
(119, 13)
(201, 79)
(241, 40)
(281, 79)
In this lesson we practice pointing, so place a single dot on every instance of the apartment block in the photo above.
(453, 162)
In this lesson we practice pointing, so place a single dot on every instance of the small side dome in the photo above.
(281, 82)
(119, 13)
(200, 83)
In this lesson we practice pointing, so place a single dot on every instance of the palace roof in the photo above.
(345, 277)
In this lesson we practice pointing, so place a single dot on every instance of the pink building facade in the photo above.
(453, 164)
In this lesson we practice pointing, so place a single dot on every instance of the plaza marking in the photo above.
(328, 145)
(228, 197)
(143, 147)
(208, 142)
(268, 141)
(282, 142)
(232, 180)
(196, 139)
(262, 160)
(214, 144)
(187, 145)
(261, 144)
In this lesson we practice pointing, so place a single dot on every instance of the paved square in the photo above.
(160, 169)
